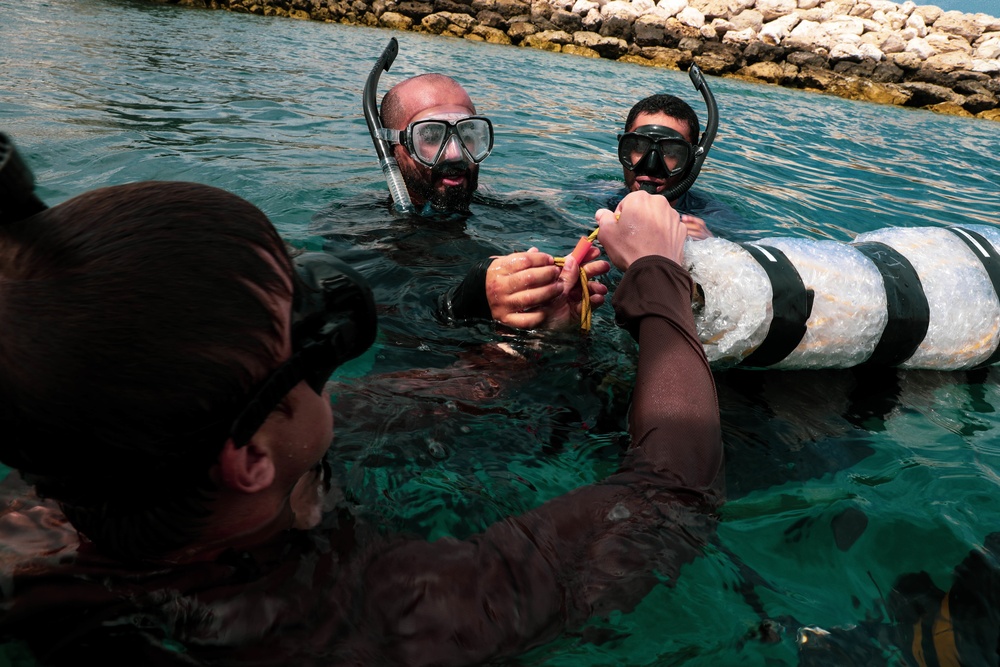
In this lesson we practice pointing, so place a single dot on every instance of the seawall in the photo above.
(873, 50)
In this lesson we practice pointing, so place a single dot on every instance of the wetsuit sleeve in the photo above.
(467, 300)
(590, 551)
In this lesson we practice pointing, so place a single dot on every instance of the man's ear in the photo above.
(246, 469)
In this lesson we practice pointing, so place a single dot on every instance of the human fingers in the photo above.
(594, 269)
(646, 225)
(696, 227)
(533, 298)
(519, 261)
(529, 320)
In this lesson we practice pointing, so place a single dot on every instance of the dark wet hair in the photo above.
(132, 326)
(670, 105)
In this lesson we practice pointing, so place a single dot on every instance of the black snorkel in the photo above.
(712, 126)
(17, 185)
(390, 168)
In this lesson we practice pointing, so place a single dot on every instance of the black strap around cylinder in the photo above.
(791, 304)
(906, 305)
(987, 254)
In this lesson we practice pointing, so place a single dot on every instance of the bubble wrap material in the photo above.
(964, 312)
(737, 310)
(849, 305)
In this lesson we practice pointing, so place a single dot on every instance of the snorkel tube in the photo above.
(698, 79)
(390, 168)
(17, 185)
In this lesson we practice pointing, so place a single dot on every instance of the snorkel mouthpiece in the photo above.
(390, 168)
(698, 79)
(648, 186)
(17, 185)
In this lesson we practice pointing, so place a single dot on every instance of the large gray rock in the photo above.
(944, 43)
(758, 51)
(711, 9)
(492, 19)
(740, 37)
(608, 47)
(886, 72)
(807, 59)
(927, 94)
(395, 21)
(434, 23)
(453, 6)
(749, 18)
(511, 8)
(989, 23)
(519, 30)
(415, 10)
(567, 21)
(772, 9)
(774, 32)
(920, 47)
(771, 72)
(958, 23)
(648, 31)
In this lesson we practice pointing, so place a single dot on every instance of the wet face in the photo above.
(451, 182)
(633, 182)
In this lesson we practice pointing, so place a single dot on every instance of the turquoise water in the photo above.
(839, 481)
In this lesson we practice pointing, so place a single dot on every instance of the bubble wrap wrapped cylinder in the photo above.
(921, 297)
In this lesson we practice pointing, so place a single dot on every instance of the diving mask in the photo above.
(333, 321)
(427, 140)
(656, 150)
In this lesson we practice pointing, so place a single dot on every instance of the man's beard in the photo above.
(448, 199)
(454, 199)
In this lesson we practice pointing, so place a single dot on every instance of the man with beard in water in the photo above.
(439, 143)
(162, 369)
(439, 159)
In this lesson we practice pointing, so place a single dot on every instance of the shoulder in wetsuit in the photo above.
(339, 596)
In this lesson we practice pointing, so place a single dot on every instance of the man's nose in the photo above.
(453, 150)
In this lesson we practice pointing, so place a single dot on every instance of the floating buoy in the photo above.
(915, 298)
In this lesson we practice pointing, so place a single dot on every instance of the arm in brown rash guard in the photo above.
(598, 548)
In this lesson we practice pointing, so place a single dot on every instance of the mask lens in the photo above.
(632, 148)
(675, 154)
(476, 135)
(427, 137)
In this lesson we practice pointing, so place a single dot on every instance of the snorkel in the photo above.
(17, 185)
(698, 79)
(390, 168)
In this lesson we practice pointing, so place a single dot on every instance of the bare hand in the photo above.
(645, 225)
(526, 290)
(696, 227)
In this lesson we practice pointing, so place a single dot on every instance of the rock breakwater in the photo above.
(873, 50)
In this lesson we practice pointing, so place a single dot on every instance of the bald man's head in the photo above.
(449, 184)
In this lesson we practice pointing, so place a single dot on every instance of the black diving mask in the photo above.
(333, 321)
(656, 151)
(427, 140)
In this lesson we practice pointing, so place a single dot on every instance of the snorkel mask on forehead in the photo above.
(660, 151)
(333, 310)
